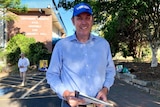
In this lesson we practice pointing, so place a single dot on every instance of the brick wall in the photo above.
(33, 25)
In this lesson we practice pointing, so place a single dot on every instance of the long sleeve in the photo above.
(110, 70)
(53, 73)
(75, 66)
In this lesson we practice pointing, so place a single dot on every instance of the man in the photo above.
(81, 62)
(23, 64)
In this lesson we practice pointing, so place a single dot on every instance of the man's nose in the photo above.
(83, 21)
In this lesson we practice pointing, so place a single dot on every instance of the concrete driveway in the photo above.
(37, 93)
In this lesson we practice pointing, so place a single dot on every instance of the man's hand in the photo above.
(71, 99)
(21, 66)
(102, 95)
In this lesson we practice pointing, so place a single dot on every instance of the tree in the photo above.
(125, 34)
(150, 21)
(116, 23)
(8, 6)
(126, 24)
(139, 21)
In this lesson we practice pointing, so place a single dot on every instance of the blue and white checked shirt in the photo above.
(85, 67)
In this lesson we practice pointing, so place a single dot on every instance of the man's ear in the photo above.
(72, 20)
(93, 20)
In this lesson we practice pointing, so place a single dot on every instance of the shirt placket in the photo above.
(87, 72)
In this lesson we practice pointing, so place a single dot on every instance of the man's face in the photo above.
(83, 23)
(22, 55)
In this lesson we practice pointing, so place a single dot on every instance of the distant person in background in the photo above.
(23, 64)
(81, 62)
(44, 68)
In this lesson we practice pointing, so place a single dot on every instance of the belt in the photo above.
(65, 104)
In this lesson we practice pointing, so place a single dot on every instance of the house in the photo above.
(42, 22)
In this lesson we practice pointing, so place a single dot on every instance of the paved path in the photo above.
(125, 95)
(38, 94)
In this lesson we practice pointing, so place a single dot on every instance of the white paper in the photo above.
(89, 99)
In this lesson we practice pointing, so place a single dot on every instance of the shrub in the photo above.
(17, 44)
(2, 54)
(34, 51)
(37, 52)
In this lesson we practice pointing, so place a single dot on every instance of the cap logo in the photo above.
(83, 6)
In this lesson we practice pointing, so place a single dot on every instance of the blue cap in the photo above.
(81, 8)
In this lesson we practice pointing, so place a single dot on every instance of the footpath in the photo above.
(151, 87)
(123, 94)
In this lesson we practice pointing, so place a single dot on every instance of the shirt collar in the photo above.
(74, 38)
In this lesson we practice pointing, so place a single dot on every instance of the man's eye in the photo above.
(88, 18)
(79, 18)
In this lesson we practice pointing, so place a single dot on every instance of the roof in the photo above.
(49, 7)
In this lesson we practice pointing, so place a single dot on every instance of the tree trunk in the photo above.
(154, 48)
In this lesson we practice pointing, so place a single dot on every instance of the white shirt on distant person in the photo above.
(23, 62)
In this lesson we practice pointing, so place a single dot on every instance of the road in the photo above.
(37, 93)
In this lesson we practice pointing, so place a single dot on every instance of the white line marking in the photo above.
(25, 94)
(15, 78)
(41, 97)
(28, 97)
(10, 81)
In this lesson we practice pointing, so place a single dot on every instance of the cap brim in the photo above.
(81, 13)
